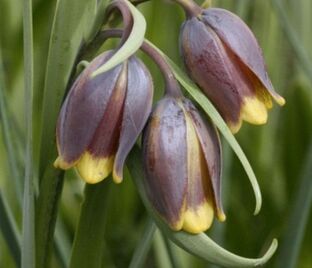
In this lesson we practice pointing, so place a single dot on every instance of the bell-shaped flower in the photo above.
(182, 165)
(223, 57)
(102, 117)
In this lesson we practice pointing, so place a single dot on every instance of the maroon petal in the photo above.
(213, 68)
(165, 161)
(104, 142)
(210, 143)
(239, 38)
(137, 108)
(83, 109)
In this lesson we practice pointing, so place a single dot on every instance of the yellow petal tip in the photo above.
(254, 111)
(116, 177)
(280, 100)
(221, 216)
(199, 219)
(94, 169)
(235, 127)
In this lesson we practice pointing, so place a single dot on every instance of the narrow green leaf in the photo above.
(211, 111)
(8, 138)
(131, 45)
(299, 217)
(144, 245)
(294, 41)
(28, 242)
(162, 258)
(62, 243)
(46, 213)
(199, 245)
(9, 230)
(173, 259)
(89, 243)
(67, 34)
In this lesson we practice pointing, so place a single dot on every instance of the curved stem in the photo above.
(172, 87)
(190, 7)
(131, 45)
(126, 17)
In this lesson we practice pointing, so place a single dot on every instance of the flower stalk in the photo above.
(190, 7)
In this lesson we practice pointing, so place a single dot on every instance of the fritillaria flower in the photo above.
(102, 117)
(182, 162)
(223, 57)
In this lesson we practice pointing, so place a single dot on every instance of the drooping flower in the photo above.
(182, 164)
(102, 117)
(223, 57)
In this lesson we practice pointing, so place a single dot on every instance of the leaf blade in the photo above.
(9, 230)
(89, 240)
(299, 217)
(28, 231)
(64, 45)
(144, 245)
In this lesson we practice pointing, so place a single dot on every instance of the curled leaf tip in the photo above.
(131, 45)
(280, 100)
(258, 207)
(268, 254)
(117, 178)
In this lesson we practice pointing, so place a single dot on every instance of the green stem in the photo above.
(47, 206)
(171, 255)
(126, 17)
(89, 243)
(28, 243)
(160, 252)
(144, 245)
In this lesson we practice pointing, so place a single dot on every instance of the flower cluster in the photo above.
(103, 116)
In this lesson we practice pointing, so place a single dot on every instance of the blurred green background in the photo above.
(280, 152)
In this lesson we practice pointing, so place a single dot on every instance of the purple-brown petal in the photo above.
(165, 161)
(212, 66)
(83, 109)
(239, 38)
(104, 142)
(137, 108)
(210, 144)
